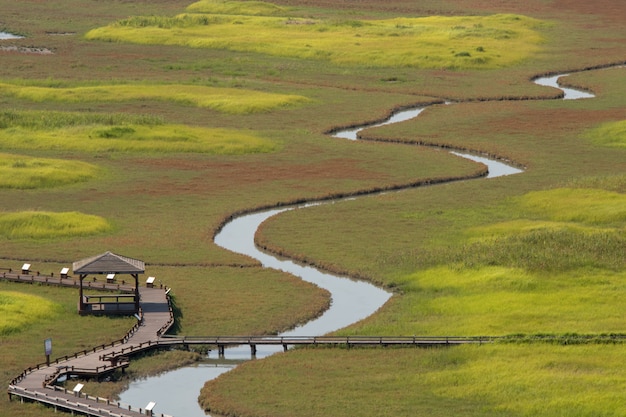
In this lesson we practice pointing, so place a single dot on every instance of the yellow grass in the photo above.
(24, 172)
(586, 206)
(226, 100)
(45, 225)
(610, 134)
(255, 8)
(468, 42)
(18, 310)
(580, 210)
(161, 138)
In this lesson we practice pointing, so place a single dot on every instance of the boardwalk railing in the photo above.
(349, 341)
(89, 372)
(64, 282)
(170, 322)
(61, 359)
(71, 401)
(118, 352)
(327, 340)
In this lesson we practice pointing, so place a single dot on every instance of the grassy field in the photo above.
(450, 42)
(34, 225)
(172, 115)
(501, 380)
(19, 310)
(227, 100)
(25, 172)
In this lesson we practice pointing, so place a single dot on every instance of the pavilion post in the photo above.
(81, 302)
(136, 276)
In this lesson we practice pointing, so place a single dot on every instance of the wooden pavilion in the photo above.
(109, 264)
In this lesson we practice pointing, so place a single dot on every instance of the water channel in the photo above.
(5, 35)
(176, 392)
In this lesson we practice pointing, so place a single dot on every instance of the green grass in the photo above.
(255, 8)
(243, 300)
(470, 245)
(468, 42)
(226, 100)
(594, 207)
(48, 120)
(49, 225)
(546, 261)
(112, 133)
(496, 300)
(70, 333)
(25, 172)
(18, 311)
(612, 134)
(500, 380)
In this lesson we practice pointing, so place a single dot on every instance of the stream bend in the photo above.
(352, 300)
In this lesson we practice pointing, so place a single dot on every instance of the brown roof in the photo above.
(108, 263)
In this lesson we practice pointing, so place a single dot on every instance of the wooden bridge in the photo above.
(222, 342)
(37, 383)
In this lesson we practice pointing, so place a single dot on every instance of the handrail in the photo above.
(64, 282)
(121, 341)
(76, 404)
(271, 339)
(170, 322)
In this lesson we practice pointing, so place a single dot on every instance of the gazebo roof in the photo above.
(108, 263)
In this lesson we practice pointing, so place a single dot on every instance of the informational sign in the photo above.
(47, 347)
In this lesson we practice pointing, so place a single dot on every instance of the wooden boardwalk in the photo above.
(222, 342)
(37, 383)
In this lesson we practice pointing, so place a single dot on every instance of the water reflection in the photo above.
(175, 392)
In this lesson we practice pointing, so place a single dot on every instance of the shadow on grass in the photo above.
(178, 315)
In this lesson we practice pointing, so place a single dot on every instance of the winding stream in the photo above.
(176, 392)
(5, 35)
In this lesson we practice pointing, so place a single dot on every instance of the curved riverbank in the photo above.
(238, 234)
(250, 231)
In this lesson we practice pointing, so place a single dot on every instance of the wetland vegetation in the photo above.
(170, 123)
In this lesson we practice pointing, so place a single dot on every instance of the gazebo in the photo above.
(110, 264)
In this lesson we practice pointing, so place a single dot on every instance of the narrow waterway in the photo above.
(5, 35)
(176, 392)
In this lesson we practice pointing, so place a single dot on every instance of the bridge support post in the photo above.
(253, 350)
(220, 350)
(285, 348)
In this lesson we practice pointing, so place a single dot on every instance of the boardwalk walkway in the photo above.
(37, 383)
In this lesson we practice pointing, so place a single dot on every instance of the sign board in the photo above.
(47, 344)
